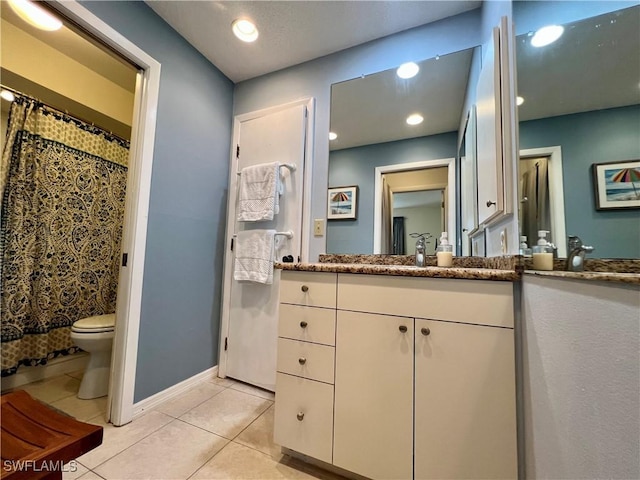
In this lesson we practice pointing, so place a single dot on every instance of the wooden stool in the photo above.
(37, 440)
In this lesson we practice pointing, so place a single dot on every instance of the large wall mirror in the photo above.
(405, 169)
(581, 106)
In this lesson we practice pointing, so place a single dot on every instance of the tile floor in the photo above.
(219, 429)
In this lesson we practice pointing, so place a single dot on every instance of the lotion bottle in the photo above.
(543, 253)
(444, 252)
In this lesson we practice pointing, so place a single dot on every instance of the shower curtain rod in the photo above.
(59, 110)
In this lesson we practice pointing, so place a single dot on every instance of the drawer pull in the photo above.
(303, 324)
(403, 328)
(300, 416)
(302, 360)
(489, 203)
(304, 288)
(425, 331)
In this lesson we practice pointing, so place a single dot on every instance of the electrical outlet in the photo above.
(503, 241)
(318, 227)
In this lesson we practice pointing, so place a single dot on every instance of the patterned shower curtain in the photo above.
(63, 190)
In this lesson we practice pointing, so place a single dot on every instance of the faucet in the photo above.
(421, 246)
(577, 251)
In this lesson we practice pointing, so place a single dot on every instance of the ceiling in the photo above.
(293, 32)
(373, 109)
(594, 65)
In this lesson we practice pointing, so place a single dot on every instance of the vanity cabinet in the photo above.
(423, 380)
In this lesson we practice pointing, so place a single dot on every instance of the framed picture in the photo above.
(617, 185)
(342, 203)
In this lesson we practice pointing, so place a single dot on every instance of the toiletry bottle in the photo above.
(444, 252)
(525, 251)
(543, 253)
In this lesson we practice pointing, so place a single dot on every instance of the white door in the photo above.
(251, 339)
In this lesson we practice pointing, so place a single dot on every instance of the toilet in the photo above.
(94, 335)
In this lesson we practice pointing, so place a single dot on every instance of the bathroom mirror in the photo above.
(581, 106)
(374, 142)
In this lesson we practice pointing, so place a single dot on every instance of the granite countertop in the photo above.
(595, 269)
(406, 270)
(507, 268)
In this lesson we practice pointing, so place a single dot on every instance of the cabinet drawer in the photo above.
(304, 416)
(309, 324)
(315, 289)
(481, 302)
(308, 360)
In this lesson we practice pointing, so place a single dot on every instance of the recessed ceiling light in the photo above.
(408, 70)
(519, 101)
(35, 15)
(333, 136)
(245, 30)
(415, 119)
(547, 35)
(7, 95)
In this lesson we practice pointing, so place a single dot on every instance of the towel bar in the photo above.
(290, 166)
(288, 234)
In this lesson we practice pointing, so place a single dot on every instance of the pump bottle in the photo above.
(543, 252)
(444, 252)
(525, 251)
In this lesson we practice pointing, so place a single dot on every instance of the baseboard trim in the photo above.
(156, 399)
(58, 366)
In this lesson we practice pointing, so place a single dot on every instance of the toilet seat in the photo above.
(96, 324)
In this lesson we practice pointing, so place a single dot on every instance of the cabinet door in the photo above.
(373, 429)
(464, 401)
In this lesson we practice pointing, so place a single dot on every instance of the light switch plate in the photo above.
(318, 227)
(503, 241)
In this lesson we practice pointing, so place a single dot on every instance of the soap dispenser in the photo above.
(543, 252)
(525, 251)
(444, 252)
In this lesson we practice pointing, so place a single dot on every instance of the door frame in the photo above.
(134, 237)
(450, 163)
(556, 193)
(227, 270)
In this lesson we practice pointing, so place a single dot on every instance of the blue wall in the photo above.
(356, 166)
(179, 325)
(586, 138)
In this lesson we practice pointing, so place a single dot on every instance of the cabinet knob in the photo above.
(303, 324)
(300, 416)
(403, 328)
(302, 360)
(425, 331)
(304, 288)
(489, 203)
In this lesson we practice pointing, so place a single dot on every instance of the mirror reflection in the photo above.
(404, 168)
(580, 106)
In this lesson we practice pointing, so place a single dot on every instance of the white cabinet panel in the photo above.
(304, 410)
(304, 359)
(314, 289)
(308, 324)
(465, 419)
(374, 395)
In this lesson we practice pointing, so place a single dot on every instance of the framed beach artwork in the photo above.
(617, 185)
(342, 203)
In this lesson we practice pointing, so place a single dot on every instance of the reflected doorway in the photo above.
(435, 176)
(417, 211)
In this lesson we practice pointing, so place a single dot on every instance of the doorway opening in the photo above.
(142, 132)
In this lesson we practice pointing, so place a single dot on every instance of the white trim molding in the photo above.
(450, 163)
(125, 346)
(156, 399)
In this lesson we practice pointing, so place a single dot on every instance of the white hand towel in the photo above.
(259, 196)
(254, 256)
